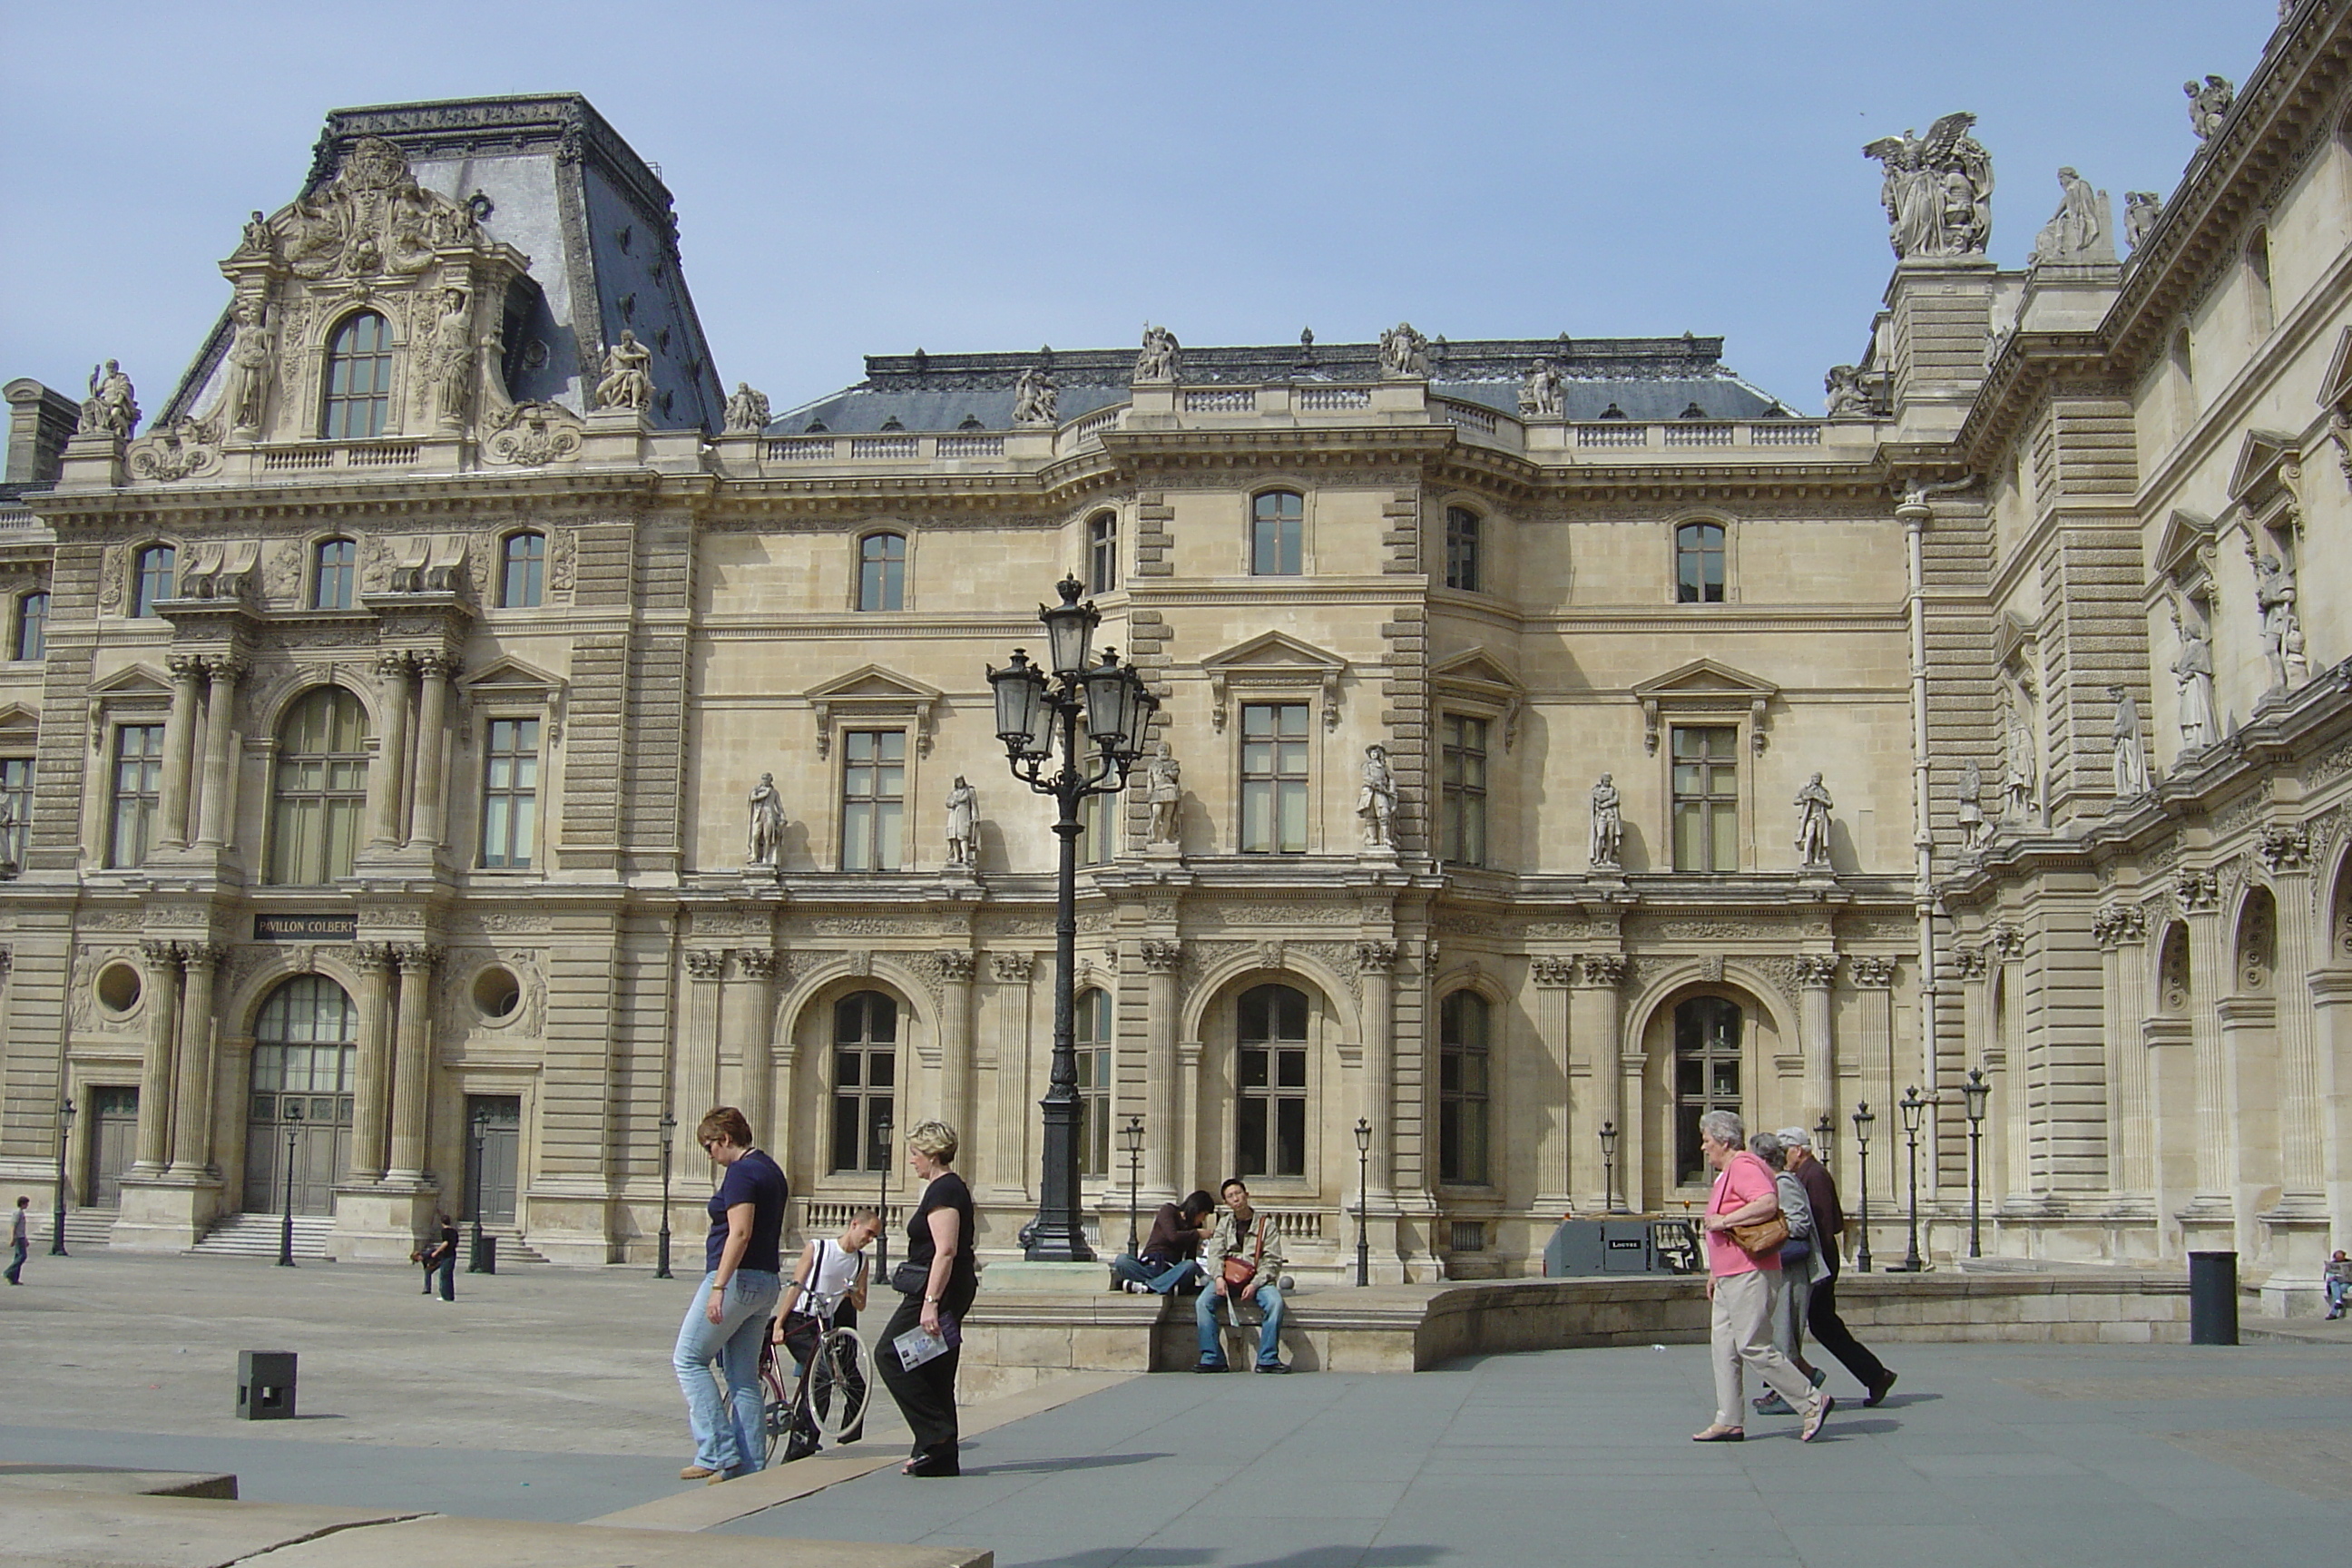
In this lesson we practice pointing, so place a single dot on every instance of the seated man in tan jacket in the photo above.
(1245, 1237)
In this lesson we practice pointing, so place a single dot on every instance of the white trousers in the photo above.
(1740, 1336)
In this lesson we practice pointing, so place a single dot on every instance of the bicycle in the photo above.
(828, 1400)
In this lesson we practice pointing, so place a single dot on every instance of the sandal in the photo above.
(1720, 1435)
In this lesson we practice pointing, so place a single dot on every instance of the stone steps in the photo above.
(256, 1235)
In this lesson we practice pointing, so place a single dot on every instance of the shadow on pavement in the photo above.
(1052, 1466)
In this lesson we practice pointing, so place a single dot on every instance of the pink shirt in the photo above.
(1743, 1181)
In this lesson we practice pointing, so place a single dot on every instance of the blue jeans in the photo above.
(1161, 1278)
(1269, 1338)
(728, 1432)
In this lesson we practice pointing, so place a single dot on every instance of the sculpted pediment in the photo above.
(1704, 687)
(136, 685)
(19, 723)
(2259, 456)
(872, 693)
(1274, 663)
(2009, 635)
(2335, 386)
(2184, 548)
(513, 675)
(1477, 679)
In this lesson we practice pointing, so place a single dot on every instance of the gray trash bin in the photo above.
(265, 1385)
(2213, 1297)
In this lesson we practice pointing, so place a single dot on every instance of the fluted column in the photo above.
(179, 751)
(759, 965)
(2302, 948)
(154, 1143)
(1162, 962)
(2121, 932)
(412, 1065)
(218, 811)
(1557, 1164)
(955, 1039)
(371, 1094)
(698, 1057)
(192, 1106)
(1593, 1019)
(1376, 962)
(432, 749)
(387, 781)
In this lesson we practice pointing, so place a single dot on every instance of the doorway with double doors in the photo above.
(493, 1157)
(299, 1115)
(113, 1143)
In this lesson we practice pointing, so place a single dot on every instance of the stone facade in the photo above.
(510, 899)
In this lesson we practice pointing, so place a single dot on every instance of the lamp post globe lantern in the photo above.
(668, 1125)
(58, 1218)
(1976, 1091)
(1363, 1201)
(1824, 1135)
(1039, 713)
(1609, 1167)
(293, 1113)
(1130, 1141)
(1863, 1120)
(1914, 1108)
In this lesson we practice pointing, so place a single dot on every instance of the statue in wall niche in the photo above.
(628, 377)
(767, 822)
(2208, 105)
(1608, 825)
(1375, 803)
(2019, 771)
(1035, 397)
(1405, 354)
(747, 411)
(963, 824)
(1165, 783)
(1813, 809)
(1975, 831)
(2192, 669)
(1938, 192)
(111, 409)
(2130, 756)
(2073, 232)
(1847, 397)
(1158, 359)
(2141, 209)
(451, 366)
(2282, 628)
(246, 396)
(1543, 391)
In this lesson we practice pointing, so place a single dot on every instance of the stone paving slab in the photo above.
(36, 1476)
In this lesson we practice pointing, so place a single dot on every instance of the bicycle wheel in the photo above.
(776, 1393)
(841, 1383)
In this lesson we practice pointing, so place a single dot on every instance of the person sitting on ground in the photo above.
(827, 1288)
(1170, 1256)
(1245, 1263)
(2339, 1281)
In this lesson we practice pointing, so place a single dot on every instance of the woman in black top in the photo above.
(938, 1252)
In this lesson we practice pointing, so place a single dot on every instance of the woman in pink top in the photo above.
(1740, 1286)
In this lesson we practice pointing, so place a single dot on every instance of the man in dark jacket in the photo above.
(1170, 1252)
(1822, 1319)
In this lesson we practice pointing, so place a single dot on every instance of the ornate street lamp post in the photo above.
(1609, 1167)
(668, 1125)
(285, 1220)
(1130, 1139)
(1862, 1120)
(1913, 1109)
(1037, 716)
(1978, 1092)
(481, 1142)
(1363, 1201)
(882, 1199)
(58, 1219)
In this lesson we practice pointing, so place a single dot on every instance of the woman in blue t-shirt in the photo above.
(742, 1280)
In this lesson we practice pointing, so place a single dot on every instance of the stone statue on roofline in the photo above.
(628, 380)
(2077, 233)
(1035, 397)
(1159, 360)
(747, 411)
(1848, 399)
(1405, 354)
(1937, 191)
(2208, 105)
(246, 397)
(2141, 209)
(111, 409)
(1543, 391)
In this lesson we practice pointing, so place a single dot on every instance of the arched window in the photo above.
(30, 638)
(1698, 563)
(522, 570)
(1462, 527)
(1102, 552)
(332, 568)
(1277, 534)
(320, 795)
(304, 1047)
(1270, 1081)
(882, 571)
(359, 379)
(865, 1077)
(1706, 1076)
(1094, 1083)
(1462, 1022)
(152, 578)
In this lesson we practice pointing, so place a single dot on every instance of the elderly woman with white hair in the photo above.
(1743, 1267)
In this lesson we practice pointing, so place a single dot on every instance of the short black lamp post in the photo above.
(58, 1218)
(1609, 1167)
(286, 1221)
(1130, 1139)
(882, 1199)
(1862, 1122)
(1363, 1201)
(668, 1125)
(1038, 712)
(473, 1264)
(1914, 1110)
(1978, 1092)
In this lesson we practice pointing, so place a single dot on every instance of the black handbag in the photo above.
(911, 1277)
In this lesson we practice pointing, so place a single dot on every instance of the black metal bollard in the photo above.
(265, 1385)
(2213, 1297)
(486, 1256)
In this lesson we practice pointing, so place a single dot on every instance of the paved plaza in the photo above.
(546, 1395)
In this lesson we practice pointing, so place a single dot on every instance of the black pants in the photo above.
(925, 1395)
(1830, 1332)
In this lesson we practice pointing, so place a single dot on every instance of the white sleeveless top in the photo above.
(836, 1270)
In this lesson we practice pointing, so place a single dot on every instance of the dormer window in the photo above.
(359, 379)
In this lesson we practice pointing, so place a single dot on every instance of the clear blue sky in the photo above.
(854, 179)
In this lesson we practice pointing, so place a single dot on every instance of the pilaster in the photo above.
(412, 1077)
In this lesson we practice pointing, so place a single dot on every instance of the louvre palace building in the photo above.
(453, 731)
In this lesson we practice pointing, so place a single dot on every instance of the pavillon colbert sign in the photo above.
(306, 928)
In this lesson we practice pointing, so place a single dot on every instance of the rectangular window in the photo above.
(864, 1080)
(16, 811)
(1102, 552)
(1462, 1089)
(1707, 798)
(137, 786)
(1277, 534)
(1094, 1083)
(337, 565)
(1274, 778)
(1099, 828)
(509, 794)
(1272, 1109)
(1463, 809)
(1462, 548)
(874, 800)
